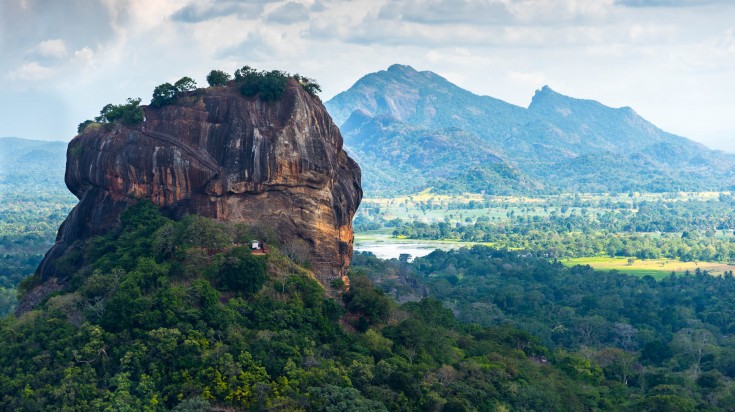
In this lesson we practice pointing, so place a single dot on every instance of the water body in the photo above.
(388, 247)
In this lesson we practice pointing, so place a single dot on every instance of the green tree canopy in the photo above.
(217, 78)
(164, 94)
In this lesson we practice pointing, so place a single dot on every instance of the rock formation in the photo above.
(224, 156)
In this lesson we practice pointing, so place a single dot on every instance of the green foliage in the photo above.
(185, 84)
(242, 272)
(685, 227)
(129, 114)
(364, 299)
(205, 233)
(310, 85)
(35, 201)
(164, 94)
(666, 344)
(83, 125)
(167, 93)
(218, 78)
(135, 331)
(268, 86)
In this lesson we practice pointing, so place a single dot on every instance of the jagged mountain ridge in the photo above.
(558, 143)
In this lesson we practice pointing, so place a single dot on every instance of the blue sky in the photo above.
(673, 61)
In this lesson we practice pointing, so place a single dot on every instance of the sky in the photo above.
(673, 61)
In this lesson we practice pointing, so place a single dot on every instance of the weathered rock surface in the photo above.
(227, 157)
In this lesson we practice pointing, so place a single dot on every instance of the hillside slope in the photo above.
(162, 315)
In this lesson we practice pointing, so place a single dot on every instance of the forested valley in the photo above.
(667, 343)
(34, 203)
(161, 315)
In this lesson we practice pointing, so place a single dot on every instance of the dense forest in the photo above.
(667, 339)
(34, 203)
(162, 315)
(152, 317)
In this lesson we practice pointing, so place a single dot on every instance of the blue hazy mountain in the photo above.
(32, 162)
(410, 130)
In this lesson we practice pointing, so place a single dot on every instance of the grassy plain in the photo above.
(658, 268)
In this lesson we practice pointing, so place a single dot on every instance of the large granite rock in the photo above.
(220, 155)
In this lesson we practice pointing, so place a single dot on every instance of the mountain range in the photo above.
(411, 129)
(26, 165)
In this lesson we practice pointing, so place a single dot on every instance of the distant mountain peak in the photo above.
(401, 68)
(413, 113)
(546, 89)
(546, 94)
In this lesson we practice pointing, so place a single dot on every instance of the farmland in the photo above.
(661, 232)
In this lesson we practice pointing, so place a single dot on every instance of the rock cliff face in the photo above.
(220, 155)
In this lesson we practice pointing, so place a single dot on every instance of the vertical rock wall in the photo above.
(220, 155)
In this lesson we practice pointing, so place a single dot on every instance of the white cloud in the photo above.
(526, 79)
(84, 54)
(199, 11)
(668, 3)
(726, 41)
(289, 13)
(558, 12)
(55, 48)
(31, 71)
(446, 11)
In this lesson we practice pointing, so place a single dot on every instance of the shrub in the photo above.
(167, 93)
(269, 86)
(185, 84)
(217, 78)
(310, 85)
(164, 94)
(129, 113)
(242, 272)
(83, 125)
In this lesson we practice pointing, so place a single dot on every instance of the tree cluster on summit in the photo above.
(268, 86)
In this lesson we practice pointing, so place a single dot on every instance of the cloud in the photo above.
(446, 11)
(667, 3)
(31, 71)
(55, 48)
(84, 54)
(289, 13)
(24, 24)
(381, 32)
(317, 7)
(40, 39)
(199, 11)
(726, 42)
(494, 12)
(534, 79)
(263, 45)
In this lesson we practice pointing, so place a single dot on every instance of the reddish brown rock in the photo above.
(227, 157)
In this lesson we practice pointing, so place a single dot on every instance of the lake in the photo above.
(387, 247)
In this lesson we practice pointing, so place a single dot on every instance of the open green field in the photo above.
(657, 268)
